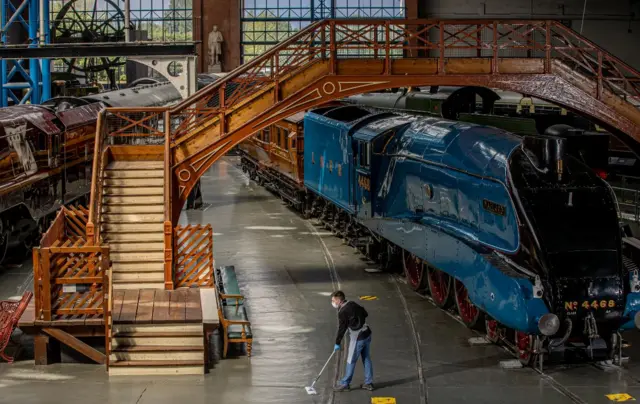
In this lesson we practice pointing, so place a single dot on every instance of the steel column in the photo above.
(36, 79)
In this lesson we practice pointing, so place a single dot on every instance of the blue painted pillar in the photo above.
(3, 62)
(34, 66)
(46, 63)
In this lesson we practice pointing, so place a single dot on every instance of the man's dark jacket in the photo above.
(352, 315)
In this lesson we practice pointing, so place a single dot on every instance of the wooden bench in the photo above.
(231, 310)
(10, 313)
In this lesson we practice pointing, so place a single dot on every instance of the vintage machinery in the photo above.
(45, 157)
(486, 221)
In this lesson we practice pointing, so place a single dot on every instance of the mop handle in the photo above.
(322, 370)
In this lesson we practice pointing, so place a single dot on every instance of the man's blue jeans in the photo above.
(362, 349)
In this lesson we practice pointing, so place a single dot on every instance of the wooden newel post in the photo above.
(168, 256)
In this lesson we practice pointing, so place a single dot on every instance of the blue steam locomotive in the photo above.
(513, 232)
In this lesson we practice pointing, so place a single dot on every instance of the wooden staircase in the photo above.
(157, 332)
(131, 222)
(152, 349)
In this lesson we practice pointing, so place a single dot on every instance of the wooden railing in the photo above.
(93, 224)
(194, 256)
(70, 274)
(168, 227)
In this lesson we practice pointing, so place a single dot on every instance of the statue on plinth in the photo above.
(215, 50)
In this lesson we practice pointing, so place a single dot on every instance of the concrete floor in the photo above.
(287, 268)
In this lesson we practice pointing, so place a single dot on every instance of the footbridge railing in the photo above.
(332, 59)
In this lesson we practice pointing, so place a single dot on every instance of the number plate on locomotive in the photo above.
(590, 305)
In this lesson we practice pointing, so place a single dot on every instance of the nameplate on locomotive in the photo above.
(494, 208)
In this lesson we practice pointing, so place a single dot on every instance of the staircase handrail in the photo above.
(93, 232)
(209, 89)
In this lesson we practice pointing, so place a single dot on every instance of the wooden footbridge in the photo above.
(132, 248)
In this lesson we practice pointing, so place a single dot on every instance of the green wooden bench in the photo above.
(231, 310)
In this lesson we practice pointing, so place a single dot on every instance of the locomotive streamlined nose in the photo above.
(549, 324)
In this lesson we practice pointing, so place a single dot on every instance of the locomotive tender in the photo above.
(519, 236)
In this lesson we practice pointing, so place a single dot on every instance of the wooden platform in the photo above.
(156, 306)
(28, 319)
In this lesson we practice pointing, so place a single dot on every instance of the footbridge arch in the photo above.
(333, 59)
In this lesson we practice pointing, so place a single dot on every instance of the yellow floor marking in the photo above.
(383, 400)
(368, 297)
(618, 398)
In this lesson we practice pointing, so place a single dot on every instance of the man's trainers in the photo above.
(367, 387)
(340, 387)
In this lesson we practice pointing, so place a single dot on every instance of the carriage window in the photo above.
(293, 143)
(365, 154)
(266, 132)
(285, 137)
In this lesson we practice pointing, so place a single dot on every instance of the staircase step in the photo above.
(137, 256)
(127, 237)
(137, 285)
(134, 174)
(132, 209)
(132, 191)
(121, 267)
(122, 369)
(157, 339)
(161, 354)
(136, 277)
(136, 165)
(158, 363)
(133, 200)
(189, 332)
(158, 329)
(133, 227)
(139, 246)
(132, 218)
(133, 182)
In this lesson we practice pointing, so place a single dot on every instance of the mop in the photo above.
(310, 389)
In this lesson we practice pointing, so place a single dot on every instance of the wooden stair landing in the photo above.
(157, 332)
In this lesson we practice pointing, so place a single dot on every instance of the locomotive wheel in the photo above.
(440, 287)
(524, 347)
(469, 313)
(414, 271)
(492, 329)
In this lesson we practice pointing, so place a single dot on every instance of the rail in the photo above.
(168, 228)
(93, 232)
(70, 274)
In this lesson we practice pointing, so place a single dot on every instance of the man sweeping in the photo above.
(351, 316)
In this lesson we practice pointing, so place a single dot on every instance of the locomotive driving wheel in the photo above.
(414, 271)
(440, 287)
(493, 330)
(524, 347)
(469, 313)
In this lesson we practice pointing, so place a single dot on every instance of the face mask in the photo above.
(335, 305)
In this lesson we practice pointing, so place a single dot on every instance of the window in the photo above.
(266, 132)
(285, 138)
(293, 143)
(365, 154)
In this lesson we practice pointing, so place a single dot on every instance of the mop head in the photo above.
(311, 390)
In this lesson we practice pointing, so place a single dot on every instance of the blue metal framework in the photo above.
(268, 22)
(21, 81)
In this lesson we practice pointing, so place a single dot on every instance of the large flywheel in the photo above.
(80, 21)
